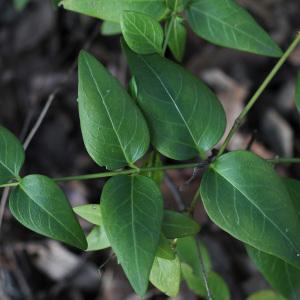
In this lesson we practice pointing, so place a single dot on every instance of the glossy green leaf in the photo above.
(245, 197)
(11, 156)
(142, 33)
(111, 10)
(225, 23)
(184, 116)
(114, 130)
(89, 212)
(177, 225)
(265, 295)
(132, 211)
(282, 276)
(165, 275)
(110, 28)
(298, 92)
(177, 39)
(40, 205)
(164, 249)
(97, 239)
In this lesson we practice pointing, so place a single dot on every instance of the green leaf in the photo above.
(20, 4)
(154, 161)
(142, 33)
(164, 249)
(293, 188)
(177, 39)
(111, 10)
(225, 23)
(184, 116)
(132, 211)
(89, 212)
(110, 28)
(165, 275)
(265, 295)
(188, 253)
(12, 156)
(177, 5)
(282, 276)
(245, 197)
(216, 284)
(194, 282)
(97, 239)
(40, 205)
(275, 270)
(298, 92)
(114, 130)
(177, 225)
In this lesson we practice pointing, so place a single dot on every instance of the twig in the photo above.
(175, 192)
(239, 121)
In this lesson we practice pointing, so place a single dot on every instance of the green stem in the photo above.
(169, 29)
(284, 160)
(257, 94)
(130, 172)
(9, 185)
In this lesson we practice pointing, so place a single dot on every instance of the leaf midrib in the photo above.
(174, 103)
(107, 110)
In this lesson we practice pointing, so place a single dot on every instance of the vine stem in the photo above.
(202, 164)
(238, 122)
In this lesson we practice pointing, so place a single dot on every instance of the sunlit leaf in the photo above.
(110, 28)
(97, 239)
(165, 275)
(89, 212)
(265, 295)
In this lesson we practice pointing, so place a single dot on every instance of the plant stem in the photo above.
(131, 171)
(169, 29)
(284, 160)
(257, 94)
(9, 184)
